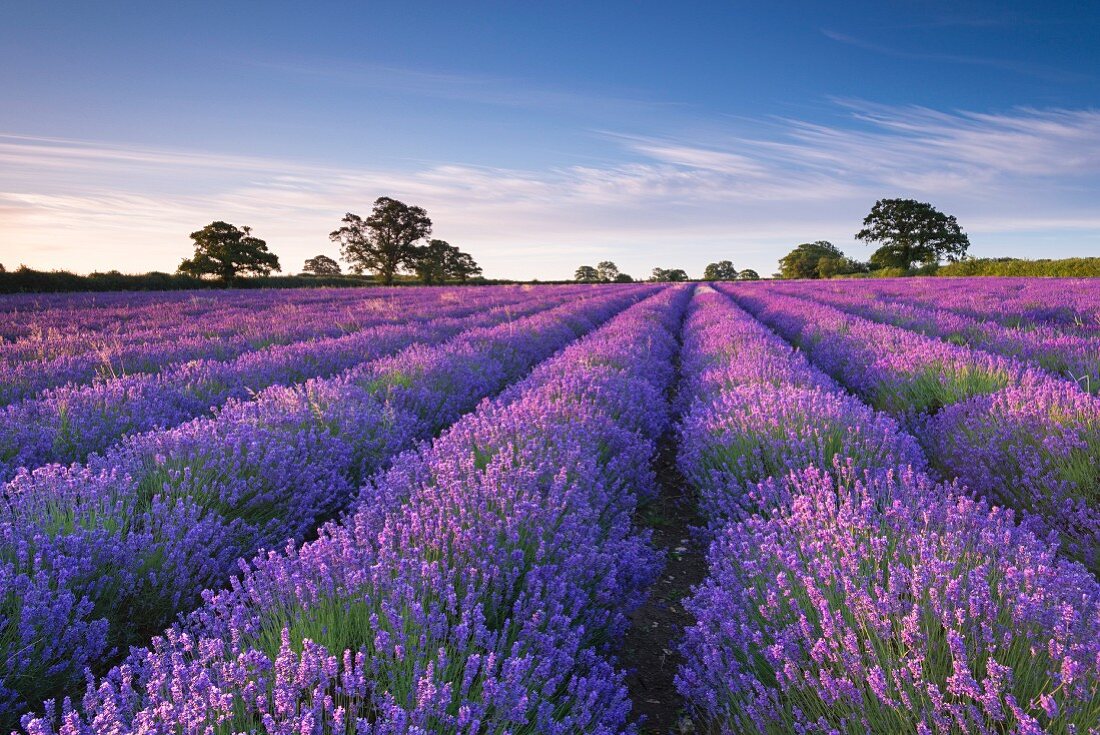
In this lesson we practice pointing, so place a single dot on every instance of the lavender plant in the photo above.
(892, 606)
(167, 514)
(847, 591)
(475, 589)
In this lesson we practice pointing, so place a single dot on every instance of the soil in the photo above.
(649, 651)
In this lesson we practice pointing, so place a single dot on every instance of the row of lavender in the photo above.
(1073, 355)
(41, 315)
(83, 328)
(477, 587)
(1007, 430)
(28, 367)
(98, 557)
(847, 591)
(1069, 304)
(67, 424)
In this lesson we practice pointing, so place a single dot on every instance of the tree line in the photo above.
(608, 272)
(394, 242)
(384, 244)
(913, 238)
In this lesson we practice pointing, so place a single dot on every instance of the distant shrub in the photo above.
(890, 273)
(1064, 268)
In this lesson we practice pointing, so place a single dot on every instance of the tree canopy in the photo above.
(586, 274)
(226, 251)
(912, 232)
(723, 270)
(607, 271)
(802, 262)
(833, 266)
(384, 242)
(321, 265)
(666, 274)
(604, 272)
(748, 275)
(462, 266)
(439, 261)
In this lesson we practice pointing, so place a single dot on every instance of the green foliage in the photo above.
(463, 267)
(321, 265)
(748, 275)
(384, 242)
(604, 272)
(723, 270)
(912, 232)
(1063, 268)
(226, 251)
(586, 274)
(803, 261)
(936, 385)
(674, 275)
(831, 267)
(439, 261)
(607, 271)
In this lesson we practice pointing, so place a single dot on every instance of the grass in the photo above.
(936, 385)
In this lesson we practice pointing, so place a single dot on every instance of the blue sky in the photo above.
(541, 136)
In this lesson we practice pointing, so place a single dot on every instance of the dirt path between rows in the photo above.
(649, 651)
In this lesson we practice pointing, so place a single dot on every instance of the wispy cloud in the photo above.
(659, 200)
(1037, 71)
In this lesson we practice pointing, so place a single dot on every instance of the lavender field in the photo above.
(440, 509)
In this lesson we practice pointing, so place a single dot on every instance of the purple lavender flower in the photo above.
(167, 514)
(476, 588)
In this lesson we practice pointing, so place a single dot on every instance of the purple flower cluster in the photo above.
(1072, 355)
(98, 557)
(476, 588)
(1013, 434)
(86, 341)
(894, 605)
(759, 410)
(1036, 449)
(895, 370)
(853, 593)
(65, 323)
(67, 424)
(1070, 305)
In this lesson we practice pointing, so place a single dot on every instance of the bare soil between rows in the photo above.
(649, 651)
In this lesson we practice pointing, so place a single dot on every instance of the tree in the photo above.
(321, 265)
(832, 266)
(586, 274)
(912, 232)
(607, 271)
(803, 260)
(462, 266)
(226, 251)
(624, 278)
(723, 270)
(748, 275)
(674, 275)
(430, 261)
(384, 242)
(439, 261)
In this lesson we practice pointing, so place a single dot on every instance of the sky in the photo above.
(541, 136)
